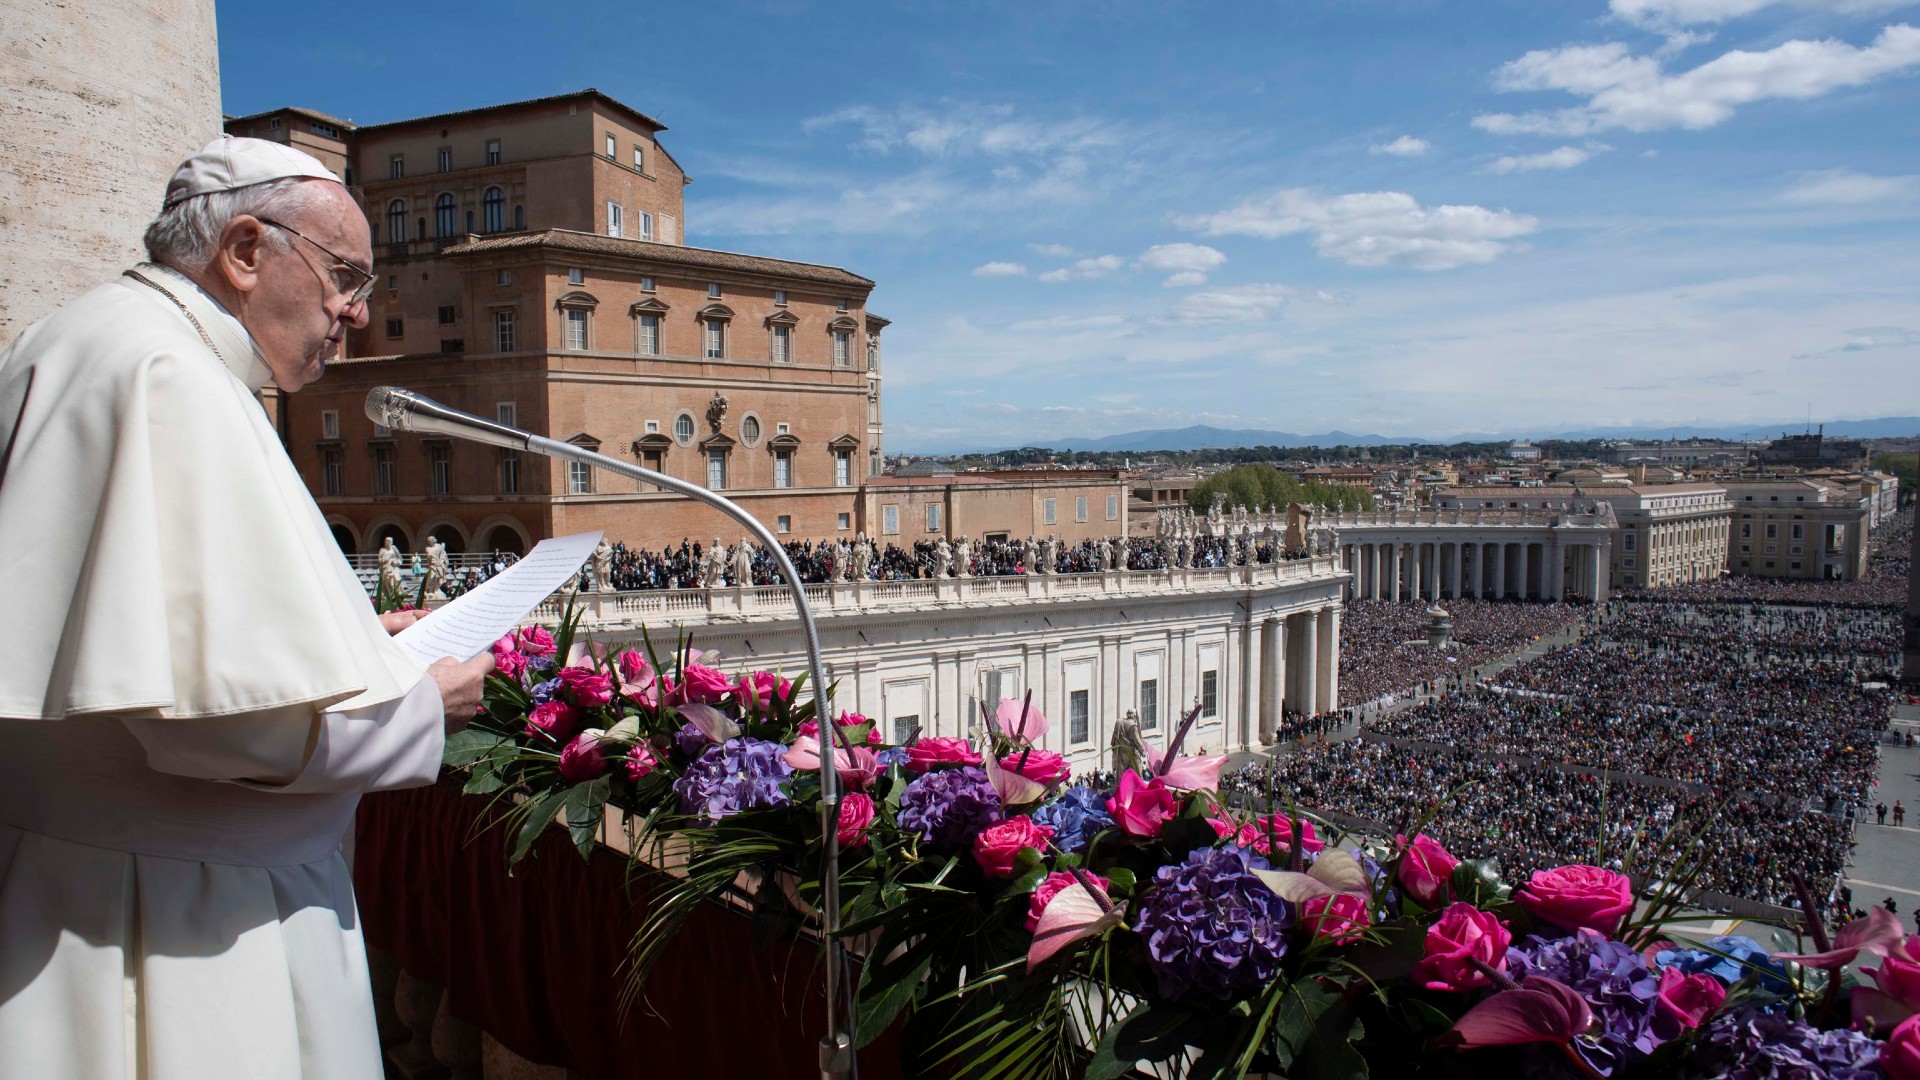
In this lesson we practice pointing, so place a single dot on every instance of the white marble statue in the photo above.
(942, 558)
(963, 558)
(603, 566)
(389, 560)
(438, 569)
(743, 563)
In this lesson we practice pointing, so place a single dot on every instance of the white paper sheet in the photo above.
(472, 621)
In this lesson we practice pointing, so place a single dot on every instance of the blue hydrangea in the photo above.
(1615, 980)
(1076, 818)
(1729, 958)
(1752, 1044)
(543, 692)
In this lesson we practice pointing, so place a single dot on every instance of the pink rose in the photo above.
(700, 685)
(1901, 1055)
(1141, 807)
(633, 667)
(999, 844)
(756, 691)
(639, 762)
(1689, 999)
(1044, 893)
(1576, 896)
(511, 663)
(855, 720)
(856, 816)
(554, 720)
(1426, 869)
(940, 750)
(1041, 766)
(534, 641)
(587, 688)
(1463, 934)
(1261, 833)
(1339, 918)
(1897, 981)
(582, 759)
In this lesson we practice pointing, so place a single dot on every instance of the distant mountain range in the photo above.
(1201, 437)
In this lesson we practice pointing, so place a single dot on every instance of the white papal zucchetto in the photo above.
(231, 162)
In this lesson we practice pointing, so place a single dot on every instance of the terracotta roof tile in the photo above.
(675, 254)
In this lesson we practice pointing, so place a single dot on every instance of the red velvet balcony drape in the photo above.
(534, 959)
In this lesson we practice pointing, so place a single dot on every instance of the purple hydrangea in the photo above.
(1750, 1044)
(691, 742)
(1212, 928)
(1728, 958)
(739, 774)
(539, 665)
(543, 692)
(949, 807)
(1076, 818)
(1616, 982)
(891, 756)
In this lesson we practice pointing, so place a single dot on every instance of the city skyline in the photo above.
(1385, 218)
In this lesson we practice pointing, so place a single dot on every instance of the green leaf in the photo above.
(885, 989)
(1477, 881)
(1153, 1031)
(1390, 952)
(585, 809)
(470, 745)
(483, 782)
(539, 814)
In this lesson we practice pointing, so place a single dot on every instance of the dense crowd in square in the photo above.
(1383, 645)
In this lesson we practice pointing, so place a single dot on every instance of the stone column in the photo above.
(1500, 570)
(1554, 567)
(1459, 550)
(1379, 571)
(1309, 663)
(1416, 557)
(1598, 593)
(1327, 677)
(1393, 571)
(1526, 570)
(1273, 645)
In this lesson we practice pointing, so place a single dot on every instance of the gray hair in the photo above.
(186, 234)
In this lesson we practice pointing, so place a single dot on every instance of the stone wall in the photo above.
(102, 100)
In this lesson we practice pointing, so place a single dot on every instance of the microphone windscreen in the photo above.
(387, 406)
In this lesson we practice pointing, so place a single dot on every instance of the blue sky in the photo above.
(1407, 218)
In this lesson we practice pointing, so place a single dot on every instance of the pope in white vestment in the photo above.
(195, 689)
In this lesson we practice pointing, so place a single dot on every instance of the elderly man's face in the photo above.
(300, 307)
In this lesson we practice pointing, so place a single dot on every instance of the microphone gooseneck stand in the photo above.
(404, 410)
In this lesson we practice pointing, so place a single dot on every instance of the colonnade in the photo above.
(1556, 568)
(1298, 666)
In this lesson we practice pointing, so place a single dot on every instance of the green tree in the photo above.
(1904, 466)
(1260, 486)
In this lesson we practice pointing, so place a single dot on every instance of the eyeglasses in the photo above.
(347, 278)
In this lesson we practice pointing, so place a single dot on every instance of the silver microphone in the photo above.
(404, 410)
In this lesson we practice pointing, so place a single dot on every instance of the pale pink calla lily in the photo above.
(713, 723)
(1877, 933)
(1013, 788)
(1072, 915)
(1186, 773)
(1538, 1010)
(1334, 872)
(1006, 716)
(857, 767)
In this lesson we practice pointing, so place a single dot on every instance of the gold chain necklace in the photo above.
(157, 287)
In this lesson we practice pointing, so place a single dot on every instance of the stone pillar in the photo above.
(1459, 550)
(1526, 570)
(1598, 593)
(102, 102)
(1309, 663)
(1393, 571)
(1327, 677)
(1415, 557)
(1273, 667)
(1500, 571)
(1554, 566)
(1378, 572)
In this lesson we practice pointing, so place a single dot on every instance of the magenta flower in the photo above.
(1185, 773)
(1020, 720)
(857, 767)
(555, 721)
(1689, 999)
(1901, 1056)
(1572, 897)
(998, 846)
(1051, 887)
(1463, 938)
(1041, 766)
(1895, 993)
(582, 759)
(1339, 918)
(1877, 933)
(1142, 808)
(534, 641)
(639, 762)
(587, 688)
(758, 690)
(699, 684)
(934, 750)
(856, 817)
(1537, 1010)
(1426, 869)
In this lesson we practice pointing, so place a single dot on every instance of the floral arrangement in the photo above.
(1018, 923)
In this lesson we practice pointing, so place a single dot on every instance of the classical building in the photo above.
(1668, 534)
(534, 269)
(1493, 553)
(1813, 450)
(1798, 527)
(1071, 504)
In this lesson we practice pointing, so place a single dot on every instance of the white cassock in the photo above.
(194, 691)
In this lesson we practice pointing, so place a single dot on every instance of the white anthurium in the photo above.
(1334, 872)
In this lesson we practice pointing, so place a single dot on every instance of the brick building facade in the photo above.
(533, 270)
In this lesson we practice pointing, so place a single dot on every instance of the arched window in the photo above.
(397, 221)
(493, 207)
(519, 217)
(443, 214)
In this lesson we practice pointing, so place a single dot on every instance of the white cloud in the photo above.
(1189, 263)
(1846, 187)
(1378, 228)
(1098, 266)
(1404, 146)
(963, 128)
(1566, 157)
(1660, 14)
(1052, 251)
(1869, 338)
(1233, 304)
(1630, 92)
(1000, 269)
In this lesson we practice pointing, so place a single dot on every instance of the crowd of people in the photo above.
(1889, 561)
(1384, 650)
(679, 567)
(1531, 817)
